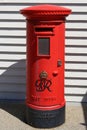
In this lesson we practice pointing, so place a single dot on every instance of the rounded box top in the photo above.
(45, 11)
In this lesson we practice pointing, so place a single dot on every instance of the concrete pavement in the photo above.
(12, 117)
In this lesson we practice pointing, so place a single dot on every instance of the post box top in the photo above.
(45, 11)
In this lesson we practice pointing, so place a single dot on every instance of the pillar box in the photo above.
(45, 100)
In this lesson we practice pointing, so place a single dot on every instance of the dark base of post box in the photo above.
(45, 119)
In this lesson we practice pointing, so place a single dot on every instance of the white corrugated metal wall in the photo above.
(13, 49)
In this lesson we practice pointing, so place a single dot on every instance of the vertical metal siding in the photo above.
(13, 49)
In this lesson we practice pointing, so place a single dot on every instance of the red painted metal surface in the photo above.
(45, 56)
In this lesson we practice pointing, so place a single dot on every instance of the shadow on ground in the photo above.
(84, 107)
(12, 87)
(16, 109)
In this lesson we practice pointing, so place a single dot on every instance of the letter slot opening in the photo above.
(44, 29)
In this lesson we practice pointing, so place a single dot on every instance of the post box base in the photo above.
(45, 119)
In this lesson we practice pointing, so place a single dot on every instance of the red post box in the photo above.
(45, 65)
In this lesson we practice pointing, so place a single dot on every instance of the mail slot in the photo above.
(45, 100)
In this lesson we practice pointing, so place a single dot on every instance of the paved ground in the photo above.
(12, 117)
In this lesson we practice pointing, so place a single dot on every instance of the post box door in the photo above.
(49, 68)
